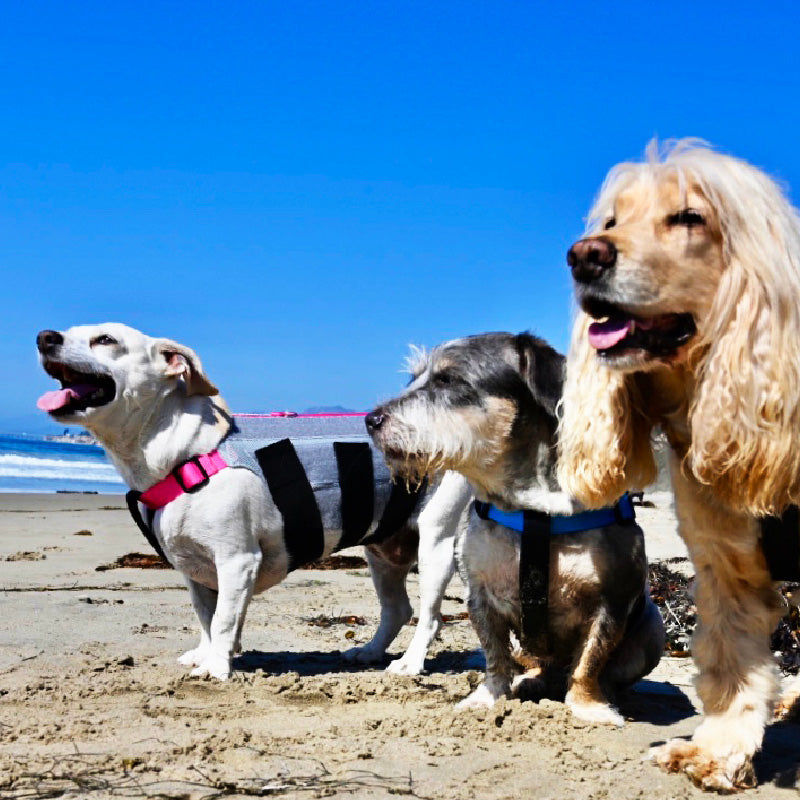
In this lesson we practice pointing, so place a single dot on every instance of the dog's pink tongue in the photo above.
(603, 335)
(52, 401)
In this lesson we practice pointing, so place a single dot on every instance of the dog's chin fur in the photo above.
(485, 406)
(730, 407)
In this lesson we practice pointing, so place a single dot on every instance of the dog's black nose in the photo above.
(374, 420)
(47, 340)
(590, 258)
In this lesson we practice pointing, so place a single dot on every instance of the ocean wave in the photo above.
(16, 466)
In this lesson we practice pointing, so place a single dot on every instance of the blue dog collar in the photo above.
(526, 520)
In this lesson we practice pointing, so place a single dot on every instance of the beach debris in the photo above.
(671, 591)
(325, 621)
(136, 561)
(337, 562)
(113, 665)
(447, 619)
(785, 640)
(100, 601)
(26, 555)
(83, 532)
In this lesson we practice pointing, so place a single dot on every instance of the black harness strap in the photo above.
(357, 486)
(399, 507)
(534, 577)
(534, 588)
(780, 541)
(132, 499)
(294, 497)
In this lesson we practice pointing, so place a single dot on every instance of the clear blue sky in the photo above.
(299, 190)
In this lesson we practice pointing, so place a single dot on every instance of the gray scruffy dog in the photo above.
(485, 406)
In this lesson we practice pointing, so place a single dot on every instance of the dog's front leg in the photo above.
(204, 601)
(439, 523)
(737, 609)
(236, 575)
(494, 632)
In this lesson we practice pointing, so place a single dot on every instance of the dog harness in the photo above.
(327, 477)
(538, 529)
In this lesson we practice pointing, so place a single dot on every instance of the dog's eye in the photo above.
(610, 223)
(104, 338)
(688, 217)
(442, 379)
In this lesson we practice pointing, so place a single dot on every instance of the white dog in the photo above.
(162, 422)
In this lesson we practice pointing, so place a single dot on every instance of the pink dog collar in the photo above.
(186, 478)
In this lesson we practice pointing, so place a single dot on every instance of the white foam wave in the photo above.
(15, 466)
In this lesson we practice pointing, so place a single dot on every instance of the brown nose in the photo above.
(47, 340)
(590, 258)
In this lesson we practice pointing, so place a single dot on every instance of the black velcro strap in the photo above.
(357, 485)
(780, 541)
(399, 507)
(294, 497)
(534, 586)
(132, 499)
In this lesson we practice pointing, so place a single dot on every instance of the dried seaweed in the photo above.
(672, 593)
(136, 561)
(337, 562)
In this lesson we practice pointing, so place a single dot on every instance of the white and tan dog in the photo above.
(152, 407)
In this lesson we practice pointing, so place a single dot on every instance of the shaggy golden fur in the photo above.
(702, 244)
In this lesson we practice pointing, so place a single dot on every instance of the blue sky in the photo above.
(300, 190)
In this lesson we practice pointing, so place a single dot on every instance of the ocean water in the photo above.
(36, 464)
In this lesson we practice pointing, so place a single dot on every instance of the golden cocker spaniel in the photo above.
(688, 282)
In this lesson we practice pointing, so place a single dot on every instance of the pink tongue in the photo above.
(51, 401)
(603, 335)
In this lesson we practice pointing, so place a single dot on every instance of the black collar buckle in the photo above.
(176, 473)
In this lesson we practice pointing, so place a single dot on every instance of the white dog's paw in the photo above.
(599, 713)
(214, 665)
(193, 658)
(364, 655)
(482, 697)
(406, 666)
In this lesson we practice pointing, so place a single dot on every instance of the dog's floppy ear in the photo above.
(746, 414)
(603, 436)
(182, 361)
(542, 369)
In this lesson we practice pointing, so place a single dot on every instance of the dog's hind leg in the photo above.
(439, 523)
(389, 565)
(640, 649)
(236, 576)
(585, 697)
(204, 602)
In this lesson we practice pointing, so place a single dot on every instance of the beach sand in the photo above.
(94, 704)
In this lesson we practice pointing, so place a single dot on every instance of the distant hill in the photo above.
(329, 410)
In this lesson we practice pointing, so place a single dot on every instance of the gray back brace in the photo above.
(315, 451)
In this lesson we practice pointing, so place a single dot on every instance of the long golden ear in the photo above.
(182, 361)
(603, 437)
(745, 418)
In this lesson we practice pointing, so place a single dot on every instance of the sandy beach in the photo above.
(94, 704)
